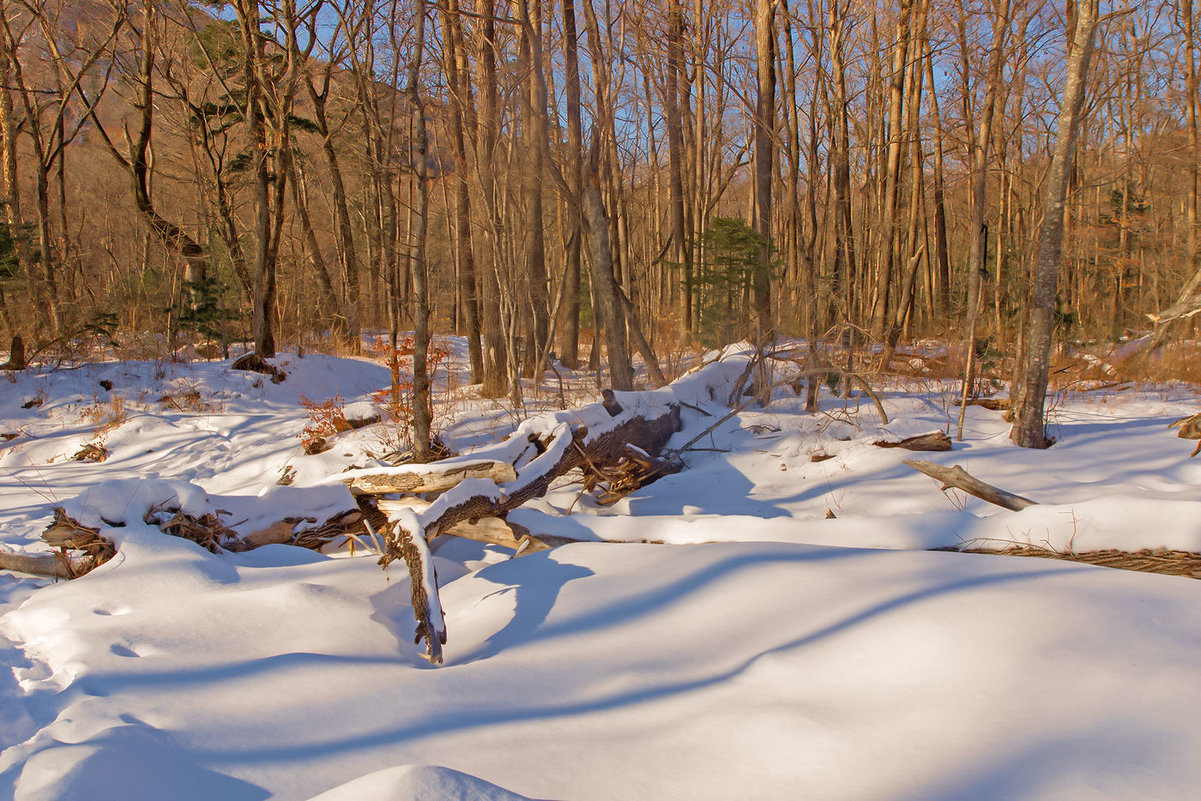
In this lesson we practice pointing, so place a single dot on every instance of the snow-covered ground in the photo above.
(764, 651)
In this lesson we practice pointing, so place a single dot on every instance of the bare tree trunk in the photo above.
(600, 252)
(943, 304)
(569, 347)
(892, 172)
(842, 280)
(535, 137)
(765, 159)
(455, 66)
(1191, 87)
(495, 349)
(262, 329)
(1029, 404)
(347, 260)
(977, 232)
(421, 334)
(680, 247)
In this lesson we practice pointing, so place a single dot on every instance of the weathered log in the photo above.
(278, 533)
(568, 448)
(960, 479)
(436, 477)
(992, 404)
(405, 542)
(390, 506)
(45, 565)
(78, 550)
(495, 531)
(933, 441)
(252, 362)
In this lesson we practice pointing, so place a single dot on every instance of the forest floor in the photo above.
(760, 625)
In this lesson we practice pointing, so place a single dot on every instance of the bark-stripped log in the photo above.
(959, 478)
(436, 477)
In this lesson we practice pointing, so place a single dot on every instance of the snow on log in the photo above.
(436, 477)
(934, 441)
(595, 438)
(78, 550)
(404, 541)
(960, 479)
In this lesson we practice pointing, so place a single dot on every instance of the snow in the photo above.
(763, 651)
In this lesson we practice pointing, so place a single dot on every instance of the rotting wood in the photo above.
(933, 441)
(425, 478)
(960, 479)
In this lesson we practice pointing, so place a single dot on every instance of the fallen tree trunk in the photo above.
(960, 479)
(569, 447)
(628, 431)
(45, 565)
(934, 441)
(434, 477)
(78, 550)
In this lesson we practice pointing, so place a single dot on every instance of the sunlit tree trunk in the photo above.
(1029, 403)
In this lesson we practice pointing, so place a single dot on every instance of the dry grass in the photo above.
(1170, 563)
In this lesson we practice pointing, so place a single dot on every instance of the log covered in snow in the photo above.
(595, 439)
(436, 477)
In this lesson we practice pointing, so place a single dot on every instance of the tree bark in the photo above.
(1029, 404)
(422, 406)
(765, 161)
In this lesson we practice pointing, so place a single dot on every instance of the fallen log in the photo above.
(563, 445)
(992, 404)
(934, 441)
(960, 479)
(435, 477)
(78, 549)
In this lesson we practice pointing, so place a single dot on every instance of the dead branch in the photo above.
(960, 479)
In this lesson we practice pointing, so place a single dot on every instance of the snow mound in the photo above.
(418, 783)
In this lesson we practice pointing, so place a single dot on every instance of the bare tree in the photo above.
(1031, 386)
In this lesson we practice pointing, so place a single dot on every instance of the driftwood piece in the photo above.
(425, 478)
(45, 565)
(933, 441)
(78, 549)
(960, 479)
